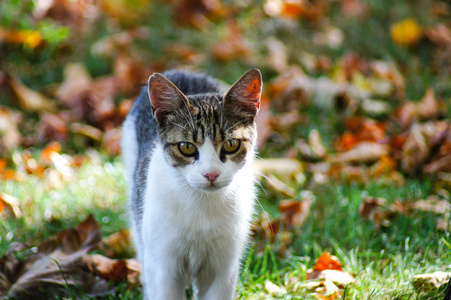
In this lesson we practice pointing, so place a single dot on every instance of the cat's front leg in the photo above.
(161, 284)
(221, 286)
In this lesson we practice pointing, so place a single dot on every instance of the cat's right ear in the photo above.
(164, 96)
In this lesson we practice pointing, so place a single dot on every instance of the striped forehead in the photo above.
(204, 119)
(206, 112)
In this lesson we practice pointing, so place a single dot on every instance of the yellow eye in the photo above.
(187, 149)
(231, 146)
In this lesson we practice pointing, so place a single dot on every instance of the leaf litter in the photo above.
(62, 264)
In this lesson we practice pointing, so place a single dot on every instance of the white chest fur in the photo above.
(192, 233)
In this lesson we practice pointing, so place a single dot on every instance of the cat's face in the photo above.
(207, 138)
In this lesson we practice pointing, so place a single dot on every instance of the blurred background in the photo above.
(354, 136)
(70, 68)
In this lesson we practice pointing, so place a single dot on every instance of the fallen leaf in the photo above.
(353, 8)
(362, 153)
(432, 204)
(116, 270)
(370, 206)
(127, 13)
(277, 57)
(279, 186)
(52, 127)
(85, 237)
(28, 99)
(418, 145)
(406, 33)
(86, 130)
(53, 267)
(294, 213)
(9, 206)
(430, 282)
(326, 261)
(111, 141)
(197, 12)
(282, 167)
(428, 107)
(323, 289)
(118, 244)
(10, 137)
(339, 278)
(232, 47)
(274, 290)
(358, 130)
(29, 38)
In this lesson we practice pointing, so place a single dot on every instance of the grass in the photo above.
(382, 260)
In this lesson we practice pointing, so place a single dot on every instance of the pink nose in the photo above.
(212, 176)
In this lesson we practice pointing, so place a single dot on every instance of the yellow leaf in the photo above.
(406, 33)
(30, 38)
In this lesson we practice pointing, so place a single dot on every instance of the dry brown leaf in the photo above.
(428, 108)
(128, 73)
(52, 127)
(232, 47)
(439, 35)
(358, 130)
(116, 270)
(370, 206)
(86, 130)
(431, 204)
(28, 99)
(417, 147)
(77, 82)
(430, 282)
(53, 266)
(125, 12)
(406, 114)
(353, 8)
(363, 152)
(294, 213)
(277, 57)
(274, 290)
(279, 166)
(10, 136)
(279, 186)
(118, 244)
(323, 289)
(339, 278)
(440, 165)
(197, 12)
(9, 206)
(111, 141)
(85, 236)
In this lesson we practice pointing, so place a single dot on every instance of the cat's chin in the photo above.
(209, 188)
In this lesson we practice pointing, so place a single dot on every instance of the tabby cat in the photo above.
(188, 148)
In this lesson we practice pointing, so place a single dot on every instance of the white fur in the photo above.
(193, 231)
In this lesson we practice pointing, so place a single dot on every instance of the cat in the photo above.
(188, 149)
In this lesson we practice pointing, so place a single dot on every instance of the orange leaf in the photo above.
(53, 147)
(327, 262)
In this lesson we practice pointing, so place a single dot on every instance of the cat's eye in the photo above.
(231, 146)
(187, 149)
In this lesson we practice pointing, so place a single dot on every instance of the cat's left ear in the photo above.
(244, 95)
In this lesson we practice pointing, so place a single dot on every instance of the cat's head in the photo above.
(207, 138)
